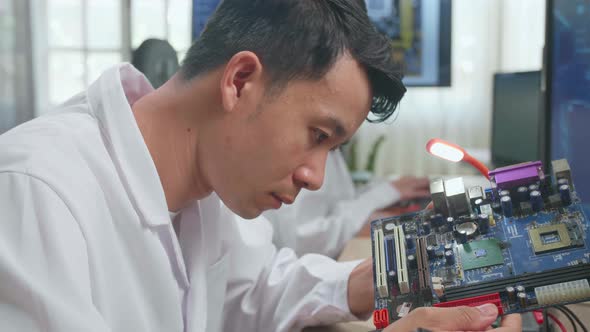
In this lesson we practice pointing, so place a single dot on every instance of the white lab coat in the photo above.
(87, 244)
(323, 221)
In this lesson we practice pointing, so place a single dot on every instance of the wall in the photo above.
(488, 36)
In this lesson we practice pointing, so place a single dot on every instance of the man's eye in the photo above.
(320, 136)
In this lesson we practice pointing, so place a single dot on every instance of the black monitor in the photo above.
(516, 118)
(567, 69)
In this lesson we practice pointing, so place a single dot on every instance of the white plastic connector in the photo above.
(380, 270)
(400, 253)
(563, 292)
(438, 287)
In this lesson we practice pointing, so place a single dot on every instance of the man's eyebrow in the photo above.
(337, 126)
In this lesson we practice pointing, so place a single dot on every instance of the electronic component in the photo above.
(482, 253)
(483, 222)
(522, 300)
(431, 252)
(456, 197)
(477, 204)
(503, 193)
(467, 228)
(438, 287)
(522, 194)
(400, 254)
(517, 175)
(565, 195)
(450, 223)
(563, 292)
(536, 200)
(423, 268)
(461, 236)
(381, 318)
(506, 203)
(560, 169)
(439, 200)
(553, 237)
(475, 302)
(379, 254)
(475, 193)
(449, 257)
(390, 260)
(511, 292)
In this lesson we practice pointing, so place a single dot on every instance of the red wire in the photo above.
(559, 323)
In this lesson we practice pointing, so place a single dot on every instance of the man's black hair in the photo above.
(299, 39)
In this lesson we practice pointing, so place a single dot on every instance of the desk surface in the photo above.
(359, 248)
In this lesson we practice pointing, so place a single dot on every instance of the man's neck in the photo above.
(172, 141)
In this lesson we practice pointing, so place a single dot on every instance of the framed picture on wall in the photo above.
(420, 33)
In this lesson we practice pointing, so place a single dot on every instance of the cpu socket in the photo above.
(550, 238)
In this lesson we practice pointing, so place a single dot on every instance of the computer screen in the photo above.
(568, 87)
(202, 9)
(420, 33)
(517, 108)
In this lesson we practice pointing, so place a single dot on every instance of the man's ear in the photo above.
(241, 72)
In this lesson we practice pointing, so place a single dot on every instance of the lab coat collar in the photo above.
(110, 98)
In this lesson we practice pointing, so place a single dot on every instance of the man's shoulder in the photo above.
(50, 147)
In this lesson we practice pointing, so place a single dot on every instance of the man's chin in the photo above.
(247, 213)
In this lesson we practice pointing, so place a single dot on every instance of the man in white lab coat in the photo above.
(117, 211)
(323, 221)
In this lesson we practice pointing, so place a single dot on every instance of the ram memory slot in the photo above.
(379, 259)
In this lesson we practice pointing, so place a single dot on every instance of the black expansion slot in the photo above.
(565, 274)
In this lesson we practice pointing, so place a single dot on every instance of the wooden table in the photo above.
(360, 248)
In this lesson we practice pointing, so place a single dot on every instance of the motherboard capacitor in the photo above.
(536, 200)
(449, 257)
(506, 203)
(478, 202)
(450, 223)
(448, 246)
(511, 292)
(431, 251)
(461, 237)
(504, 193)
(522, 300)
(483, 222)
(565, 194)
(533, 187)
(520, 289)
(522, 194)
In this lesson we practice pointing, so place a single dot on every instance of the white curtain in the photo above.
(16, 80)
(487, 36)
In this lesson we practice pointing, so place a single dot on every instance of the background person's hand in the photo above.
(411, 187)
(456, 319)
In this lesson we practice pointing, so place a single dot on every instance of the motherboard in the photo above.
(522, 244)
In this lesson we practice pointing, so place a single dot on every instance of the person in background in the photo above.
(323, 221)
